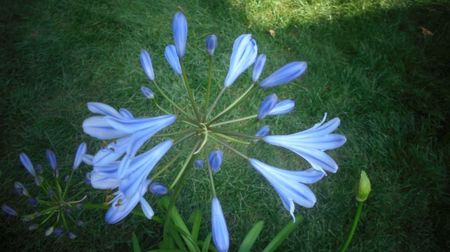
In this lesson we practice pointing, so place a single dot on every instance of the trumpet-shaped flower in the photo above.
(132, 185)
(282, 107)
(179, 27)
(243, 56)
(290, 184)
(146, 63)
(211, 44)
(132, 133)
(215, 160)
(219, 227)
(312, 143)
(171, 56)
(258, 67)
(81, 151)
(26, 162)
(285, 74)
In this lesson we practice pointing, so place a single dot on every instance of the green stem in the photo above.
(234, 120)
(231, 139)
(189, 90)
(166, 166)
(211, 179)
(222, 91)
(159, 107)
(232, 133)
(229, 147)
(171, 101)
(185, 165)
(208, 91)
(173, 133)
(353, 228)
(67, 184)
(232, 105)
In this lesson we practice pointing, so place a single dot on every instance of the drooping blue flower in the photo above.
(179, 27)
(58, 231)
(158, 189)
(81, 151)
(290, 184)
(146, 63)
(20, 189)
(8, 210)
(26, 162)
(199, 163)
(32, 202)
(312, 143)
(215, 160)
(258, 67)
(171, 56)
(147, 92)
(285, 74)
(243, 56)
(263, 131)
(282, 107)
(219, 228)
(132, 133)
(132, 185)
(211, 43)
(267, 105)
(51, 158)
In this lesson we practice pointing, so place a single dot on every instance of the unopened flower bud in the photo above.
(364, 187)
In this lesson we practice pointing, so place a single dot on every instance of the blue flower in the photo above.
(132, 133)
(211, 44)
(32, 202)
(158, 189)
(8, 210)
(58, 231)
(312, 143)
(132, 185)
(199, 163)
(26, 162)
(285, 74)
(147, 92)
(179, 27)
(146, 63)
(219, 227)
(71, 235)
(243, 56)
(51, 158)
(263, 131)
(290, 184)
(267, 105)
(215, 160)
(81, 151)
(282, 107)
(258, 67)
(20, 189)
(171, 56)
(126, 113)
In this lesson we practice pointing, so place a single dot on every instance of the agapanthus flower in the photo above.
(199, 163)
(26, 162)
(282, 107)
(267, 105)
(158, 189)
(219, 227)
(211, 44)
(20, 189)
(81, 151)
(131, 133)
(243, 56)
(215, 160)
(263, 131)
(179, 27)
(172, 58)
(312, 143)
(258, 67)
(290, 184)
(285, 74)
(146, 63)
(8, 210)
(147, 92)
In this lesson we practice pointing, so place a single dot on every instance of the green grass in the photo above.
(369, 63)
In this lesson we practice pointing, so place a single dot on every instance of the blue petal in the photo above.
(146, 63)
(103, 109)
(179, 27)
(51, 158)
(158, 189)
(285, 74)
(263, 131)
(215, 160)
(243, 56)
(282, 107)
(199, 163)
(99, 127)
(26, 162)
(219, 227)
(147, 92)
(172, 58)
(125, 113)
(9, 210)
(211, 44)
(258, 67)
(147, 209)
(267, 105)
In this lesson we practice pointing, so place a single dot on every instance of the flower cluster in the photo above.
(118, 167)
(52, 203)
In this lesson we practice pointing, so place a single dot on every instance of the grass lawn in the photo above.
(380, 66)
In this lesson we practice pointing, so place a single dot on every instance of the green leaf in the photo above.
(283, 234)
(251, 237)
(206, 243)
(196, 222)
(165, 250)
(136, 247)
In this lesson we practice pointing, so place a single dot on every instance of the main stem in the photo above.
(171, 101)
(189, 90)
(353, 228)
